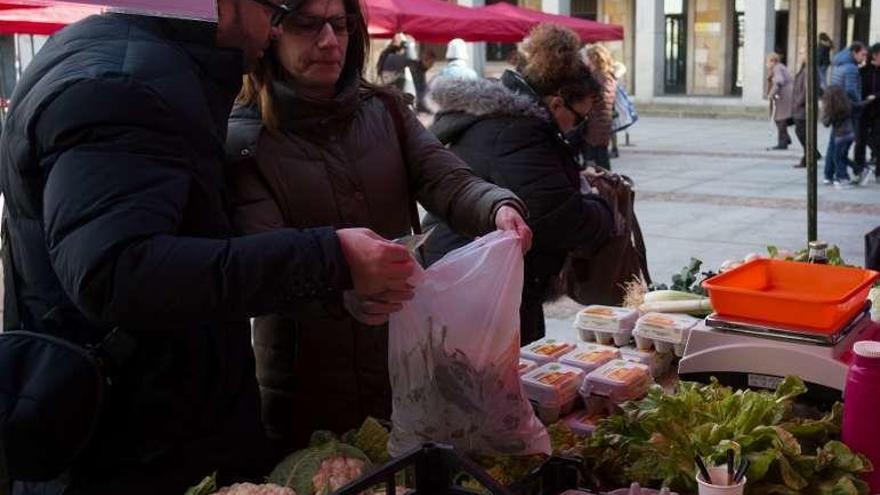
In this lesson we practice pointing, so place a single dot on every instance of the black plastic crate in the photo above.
(434, 470)
(553, 477)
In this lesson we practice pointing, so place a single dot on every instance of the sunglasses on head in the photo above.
(280, 11)
(313, 25)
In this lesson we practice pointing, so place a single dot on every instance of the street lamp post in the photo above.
(812, 121)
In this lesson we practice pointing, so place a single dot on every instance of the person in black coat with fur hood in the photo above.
(512, 133)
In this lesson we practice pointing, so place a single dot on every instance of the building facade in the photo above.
(705, 52)
(692, 53)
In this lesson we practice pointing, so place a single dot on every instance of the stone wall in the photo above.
(709, 43)
(620, 12)
(827, 21)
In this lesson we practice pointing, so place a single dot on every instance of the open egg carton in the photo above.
(606, 325)
(665, 333)
(635, 489)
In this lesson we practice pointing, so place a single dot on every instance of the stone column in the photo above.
(760, 27)
(650, 35)
(726, 67)
(477, 51)
(560, 7)
(874, 31)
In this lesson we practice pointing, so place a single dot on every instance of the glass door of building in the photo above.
(856, 21)
(675, 47)
(739, 40)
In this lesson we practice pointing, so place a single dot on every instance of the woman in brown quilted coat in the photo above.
(314, 145)
(601, 65)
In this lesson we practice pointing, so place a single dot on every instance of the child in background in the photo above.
(837, 114)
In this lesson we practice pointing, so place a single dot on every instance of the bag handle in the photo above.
(638, 236)
(113, 352)
(5, 479)
(400, 128)
(639, 239)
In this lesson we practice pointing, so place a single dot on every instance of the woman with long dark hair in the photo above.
(837, 112)
(315, 145)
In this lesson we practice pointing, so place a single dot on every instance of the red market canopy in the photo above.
(45, 20)
(23, 4)
(436, 21)
(205, 10)
(589, 31)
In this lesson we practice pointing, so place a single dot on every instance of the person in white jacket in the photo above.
(458, 65)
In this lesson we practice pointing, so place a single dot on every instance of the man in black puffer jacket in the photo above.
(509, 137)
(111, 163)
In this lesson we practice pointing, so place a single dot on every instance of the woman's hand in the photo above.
(376, 310)
(508, 219)
(377, 265)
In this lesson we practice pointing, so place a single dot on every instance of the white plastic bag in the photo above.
(454, 353)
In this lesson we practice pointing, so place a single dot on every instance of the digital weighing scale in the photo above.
(748, 354)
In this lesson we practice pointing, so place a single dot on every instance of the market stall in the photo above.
(41, 18)
(435, 21)
(589, 31)
(722, 382)
(726, 380)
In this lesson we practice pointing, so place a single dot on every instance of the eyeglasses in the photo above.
(580, 118)
(341, 25)
(280, 11)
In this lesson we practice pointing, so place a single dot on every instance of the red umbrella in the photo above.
(34, 19)
(589, 31)
(435, 21)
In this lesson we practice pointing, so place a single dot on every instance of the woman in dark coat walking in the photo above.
(780, 92)
(511, 133)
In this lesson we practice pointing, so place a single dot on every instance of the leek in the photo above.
(671, 295)
(696, 307)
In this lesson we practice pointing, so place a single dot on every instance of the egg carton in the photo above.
(619, 338)
(661, 346)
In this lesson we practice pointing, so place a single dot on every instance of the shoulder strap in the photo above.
(638, 237)
(639, 240)
(400, 128)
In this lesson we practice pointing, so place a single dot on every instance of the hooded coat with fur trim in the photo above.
(510, 139)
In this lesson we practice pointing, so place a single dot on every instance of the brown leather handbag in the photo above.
(599, 277)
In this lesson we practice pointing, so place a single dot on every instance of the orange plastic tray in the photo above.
(818, 298)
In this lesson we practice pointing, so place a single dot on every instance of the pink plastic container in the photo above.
(861, 406)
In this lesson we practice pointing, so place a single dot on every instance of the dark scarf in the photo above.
(305, 115)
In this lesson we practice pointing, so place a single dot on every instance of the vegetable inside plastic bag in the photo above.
(454, 356)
